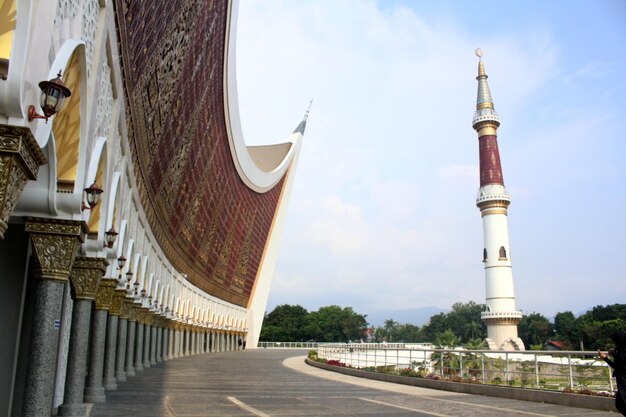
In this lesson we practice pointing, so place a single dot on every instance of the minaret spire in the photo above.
(493, 201)
(302, 125)
(486, 123)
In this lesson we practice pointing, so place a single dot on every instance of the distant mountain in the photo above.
(417, 316)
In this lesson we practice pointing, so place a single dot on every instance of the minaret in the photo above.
(493, 200)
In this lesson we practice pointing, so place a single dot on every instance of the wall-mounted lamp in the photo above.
(53, 94)
(121, 261)
(93, 196)
(129, 276)
(109, 237)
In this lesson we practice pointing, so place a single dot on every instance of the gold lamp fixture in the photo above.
(53, 94)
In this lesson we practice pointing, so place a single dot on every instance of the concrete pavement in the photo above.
(273, 383)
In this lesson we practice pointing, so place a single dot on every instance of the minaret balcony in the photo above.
(492, 192)
(485, 115)
(489, 315)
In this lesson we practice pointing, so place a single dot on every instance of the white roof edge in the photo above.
(254, 177)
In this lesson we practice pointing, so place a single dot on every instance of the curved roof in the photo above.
(208, 198)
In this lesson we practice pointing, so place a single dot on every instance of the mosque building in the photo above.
(136, 226)
(501, 316)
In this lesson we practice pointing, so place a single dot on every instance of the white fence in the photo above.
(288, 345)
(548, 370)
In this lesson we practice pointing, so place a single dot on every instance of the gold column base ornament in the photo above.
(55, 244)
(20, 159)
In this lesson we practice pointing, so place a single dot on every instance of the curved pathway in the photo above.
(272, 383)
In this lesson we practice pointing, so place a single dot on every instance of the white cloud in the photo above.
(382, 212)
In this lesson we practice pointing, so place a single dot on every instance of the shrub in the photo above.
(334, 362)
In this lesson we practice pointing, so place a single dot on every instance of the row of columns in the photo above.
(124, 337)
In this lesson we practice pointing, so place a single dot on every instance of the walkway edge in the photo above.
(524, 394)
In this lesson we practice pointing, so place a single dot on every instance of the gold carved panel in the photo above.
(86, 275)
(104, 296)
(55, 243)
(20, 158)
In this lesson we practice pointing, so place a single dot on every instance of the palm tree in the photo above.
(447, 361)
(472, 360)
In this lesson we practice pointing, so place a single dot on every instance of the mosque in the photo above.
(136, 226)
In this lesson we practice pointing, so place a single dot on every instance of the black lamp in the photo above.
(53, 94)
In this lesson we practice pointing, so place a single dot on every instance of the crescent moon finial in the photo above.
(479, 53)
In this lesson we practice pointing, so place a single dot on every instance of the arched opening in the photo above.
(94, 214)
(8, 21)
(502, 253)
(66, 129)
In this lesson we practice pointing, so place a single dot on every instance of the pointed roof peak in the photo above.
(302, 125)
(308, 110)
(484, 103)
(483, 99)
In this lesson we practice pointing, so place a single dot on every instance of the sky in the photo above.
(382, 214)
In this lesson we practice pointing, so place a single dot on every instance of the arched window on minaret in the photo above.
(502, 253)
(485, 255)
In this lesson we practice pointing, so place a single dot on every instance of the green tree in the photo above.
(437, 324)
(534, 329)
(285, 323)
(595, 326)
(409, 333)
(567, 329)
(446, 340)
(338, 324)
(464, 321)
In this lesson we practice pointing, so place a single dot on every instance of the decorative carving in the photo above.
(86, 275)
(20, 158)
(140, 314)
(55, 243)
(118, 301)
(126, 308)
(241, 269)
(223, 260)
(91, 8)
(66, 9)
(105, 102)
(191, 194)
(104, 296)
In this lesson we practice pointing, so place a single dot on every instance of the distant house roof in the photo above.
(555, 344)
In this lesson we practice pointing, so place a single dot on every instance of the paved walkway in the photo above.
(273, 383)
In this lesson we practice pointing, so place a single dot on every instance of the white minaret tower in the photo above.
(493, 200)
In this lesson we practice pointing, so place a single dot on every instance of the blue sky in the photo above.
(382, 214)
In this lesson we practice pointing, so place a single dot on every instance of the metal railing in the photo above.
(288, 345)
(547, 370)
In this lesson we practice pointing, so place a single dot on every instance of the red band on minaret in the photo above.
(490, 169)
